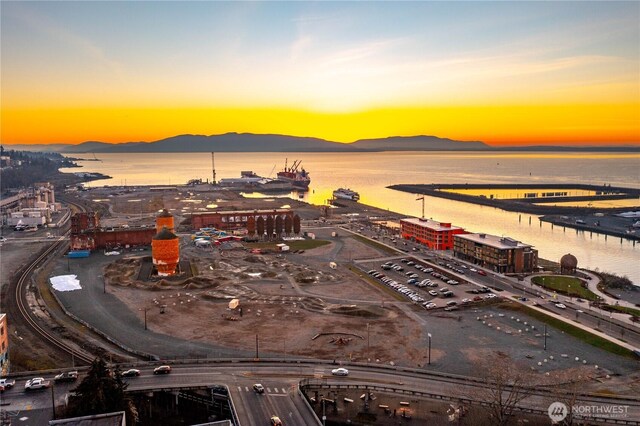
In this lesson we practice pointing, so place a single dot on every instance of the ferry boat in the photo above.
(346, 194)
(297, 176)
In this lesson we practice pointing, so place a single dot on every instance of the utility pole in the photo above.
(421, 198)
(429, 357)
(368, 345)
(545, 337)
(213, 166)
(257, 355)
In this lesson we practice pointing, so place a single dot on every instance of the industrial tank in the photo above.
(164, 219)
(165, 251)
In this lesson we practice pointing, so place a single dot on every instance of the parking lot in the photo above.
(431, 286)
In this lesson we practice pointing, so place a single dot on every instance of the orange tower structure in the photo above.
(165, 251)
(164, 219)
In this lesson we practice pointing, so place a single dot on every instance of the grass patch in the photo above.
(631, 311)
(568, 286)
(375, 244)
(293, 245)
(579, 333)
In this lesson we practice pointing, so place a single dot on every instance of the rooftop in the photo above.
(431, 224)
(494, 241)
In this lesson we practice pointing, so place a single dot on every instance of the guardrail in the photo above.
(317, 384)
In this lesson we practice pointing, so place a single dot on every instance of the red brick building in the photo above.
(435, 235)
(86, 234)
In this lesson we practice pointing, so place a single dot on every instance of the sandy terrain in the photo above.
(333, 310)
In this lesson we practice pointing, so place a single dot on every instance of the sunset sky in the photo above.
(501, 72)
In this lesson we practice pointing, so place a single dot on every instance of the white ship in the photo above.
(346, 194)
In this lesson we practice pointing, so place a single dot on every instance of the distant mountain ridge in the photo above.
(250, 142)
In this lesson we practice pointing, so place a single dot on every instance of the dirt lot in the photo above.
(338, 313)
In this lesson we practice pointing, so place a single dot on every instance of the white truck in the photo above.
(6, 384)
(36, 383)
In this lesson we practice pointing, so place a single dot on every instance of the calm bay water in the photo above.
(370, 173)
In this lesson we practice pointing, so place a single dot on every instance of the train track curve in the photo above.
(19, 293)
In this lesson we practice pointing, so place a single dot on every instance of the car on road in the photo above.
(275, 421)
(561, 306)
(258, 388)
(36, 383)
(67, 376)
(6, 384)
(481, 272)
(163, 369)
(340, 372)
(3, 239)
(132, 372)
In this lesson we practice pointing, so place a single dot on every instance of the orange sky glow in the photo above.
(505, 73)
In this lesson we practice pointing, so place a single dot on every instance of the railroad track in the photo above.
(20, 294)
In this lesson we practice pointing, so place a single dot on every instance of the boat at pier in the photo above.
(346, 194)
(297, 176)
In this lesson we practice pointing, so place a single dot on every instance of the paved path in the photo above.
(584, 304)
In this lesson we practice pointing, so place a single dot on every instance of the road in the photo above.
(281, 396)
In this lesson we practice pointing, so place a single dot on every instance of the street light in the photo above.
(368, 345)
(429, 356)
(145, 316)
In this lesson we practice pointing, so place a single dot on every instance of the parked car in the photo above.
(36, 383)
(433, 293)
(67, 376)
(163, 369)
(258, 388)
(340, 372)
(132, 372)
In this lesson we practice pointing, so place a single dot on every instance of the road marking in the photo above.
(239, 389)
(246, 389)
(276, 394)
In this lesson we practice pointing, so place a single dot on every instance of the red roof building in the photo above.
(435, 235)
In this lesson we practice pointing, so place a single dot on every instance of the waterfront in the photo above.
(370, 173)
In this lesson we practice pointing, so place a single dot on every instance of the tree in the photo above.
(566, 387)
(270, 224)
(296, 224)
(251, 226)
(504, 386)
(101, 391)
(260, 226)
(288, 224)
(279, 226)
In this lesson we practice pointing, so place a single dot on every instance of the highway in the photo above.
(281, 380)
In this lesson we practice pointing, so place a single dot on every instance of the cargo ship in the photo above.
(297, 176)
(346, 194)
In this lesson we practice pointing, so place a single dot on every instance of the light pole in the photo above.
(145, 316)
(429, 353)
(368, 344)
(257, 355)
(545, 337)
(569, 290)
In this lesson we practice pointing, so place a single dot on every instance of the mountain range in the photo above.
(250, 142)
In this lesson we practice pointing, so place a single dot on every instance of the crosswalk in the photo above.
(279, 391)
